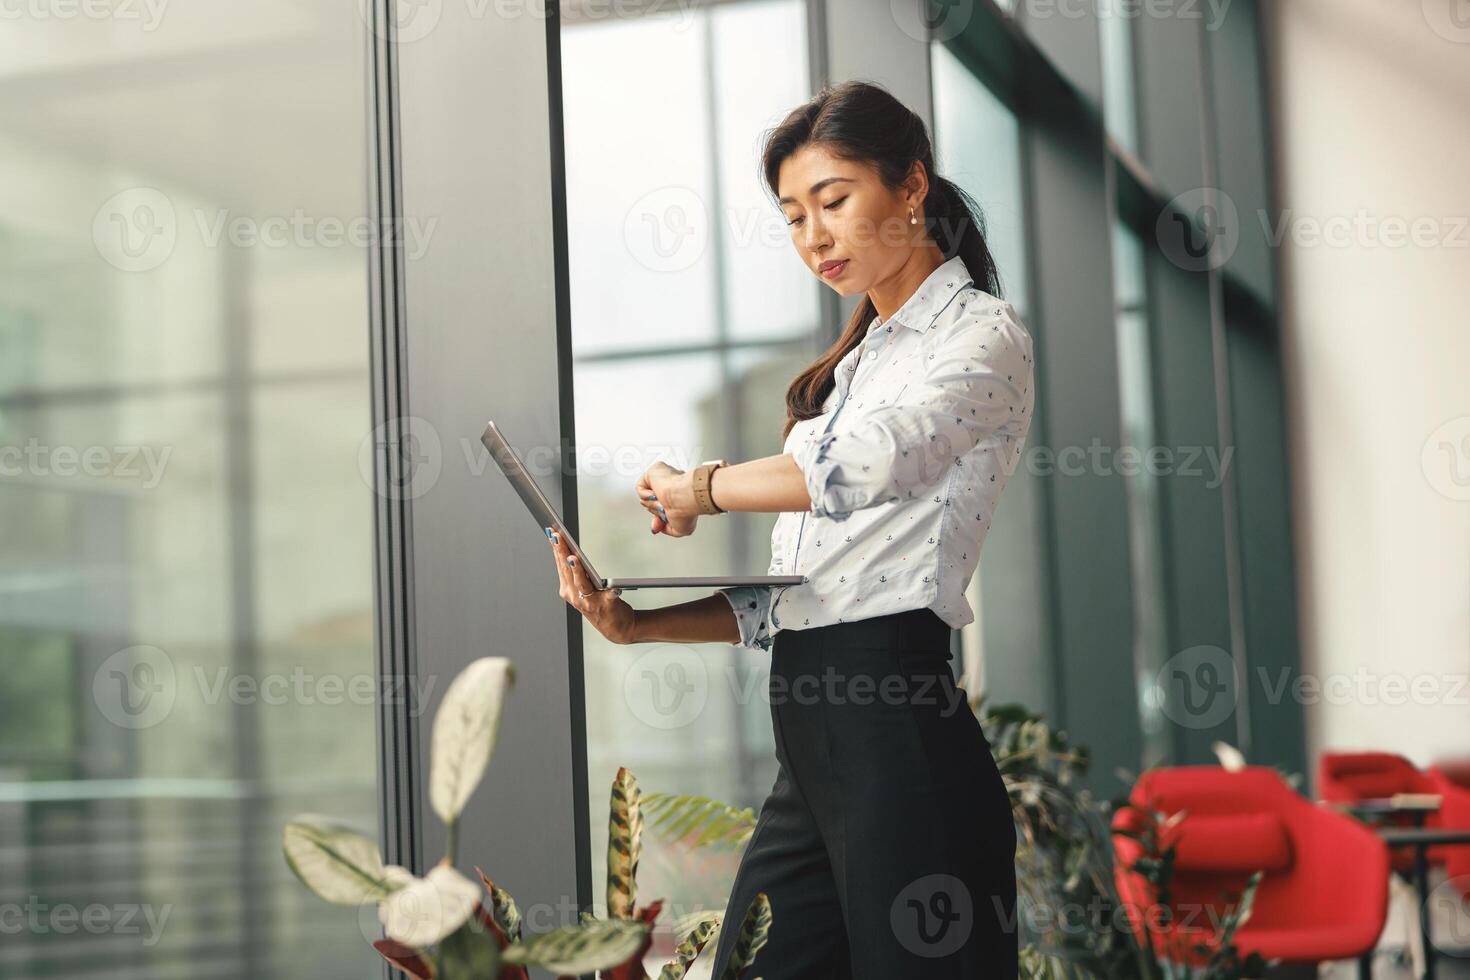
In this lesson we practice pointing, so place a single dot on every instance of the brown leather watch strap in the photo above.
(702, 495)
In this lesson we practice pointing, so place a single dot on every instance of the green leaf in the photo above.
(335, 861)
(703, 927)
(710, 821)
(754, 932)
(624, 845)
(502, 908)
(464, 733)
(470, 952)
(591, 946)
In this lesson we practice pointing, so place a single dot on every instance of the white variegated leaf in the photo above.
(425, 910)
(464, 733)
(335, 861)
(595, 945)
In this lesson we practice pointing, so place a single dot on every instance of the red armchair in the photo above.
(1349, 777)
(1452, 782)
(1324, 891)
(1346, 777)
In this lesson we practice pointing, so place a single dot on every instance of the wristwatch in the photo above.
(702, 495)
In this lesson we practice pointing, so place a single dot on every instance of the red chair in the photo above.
(1351, 777)
(1452, 782)
(1324, 891)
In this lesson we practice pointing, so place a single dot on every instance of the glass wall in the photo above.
(1135, 367)
(1095, 138)
(690, 316)
(977, 144)
(186, 540)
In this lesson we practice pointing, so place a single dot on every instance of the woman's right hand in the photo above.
(608, 614)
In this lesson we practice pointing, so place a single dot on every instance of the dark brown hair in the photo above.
(862, 122)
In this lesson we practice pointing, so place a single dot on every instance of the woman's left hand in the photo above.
(668, 495)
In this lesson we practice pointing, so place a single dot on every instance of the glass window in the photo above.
(186, 590)
(1135, 390)
(691, 316)
(1120, 110)
(978, 146)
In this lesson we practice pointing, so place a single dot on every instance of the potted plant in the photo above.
(445, 926)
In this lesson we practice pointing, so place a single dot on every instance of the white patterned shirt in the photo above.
(905, 466)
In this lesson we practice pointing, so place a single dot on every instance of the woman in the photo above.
(886, 846)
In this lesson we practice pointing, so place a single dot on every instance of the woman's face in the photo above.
(848, 228)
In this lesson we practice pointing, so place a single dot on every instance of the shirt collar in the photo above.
(932, 296)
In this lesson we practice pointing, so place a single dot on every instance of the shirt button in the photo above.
(872, 354)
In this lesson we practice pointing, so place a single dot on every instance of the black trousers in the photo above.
(886, 846)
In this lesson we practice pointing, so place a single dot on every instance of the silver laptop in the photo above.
(546, 516)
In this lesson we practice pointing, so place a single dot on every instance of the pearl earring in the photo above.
(912, 220)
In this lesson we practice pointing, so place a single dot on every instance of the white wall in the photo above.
(1371, 100)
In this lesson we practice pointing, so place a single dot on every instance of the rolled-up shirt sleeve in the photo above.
(973, 383)
(752, 607)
